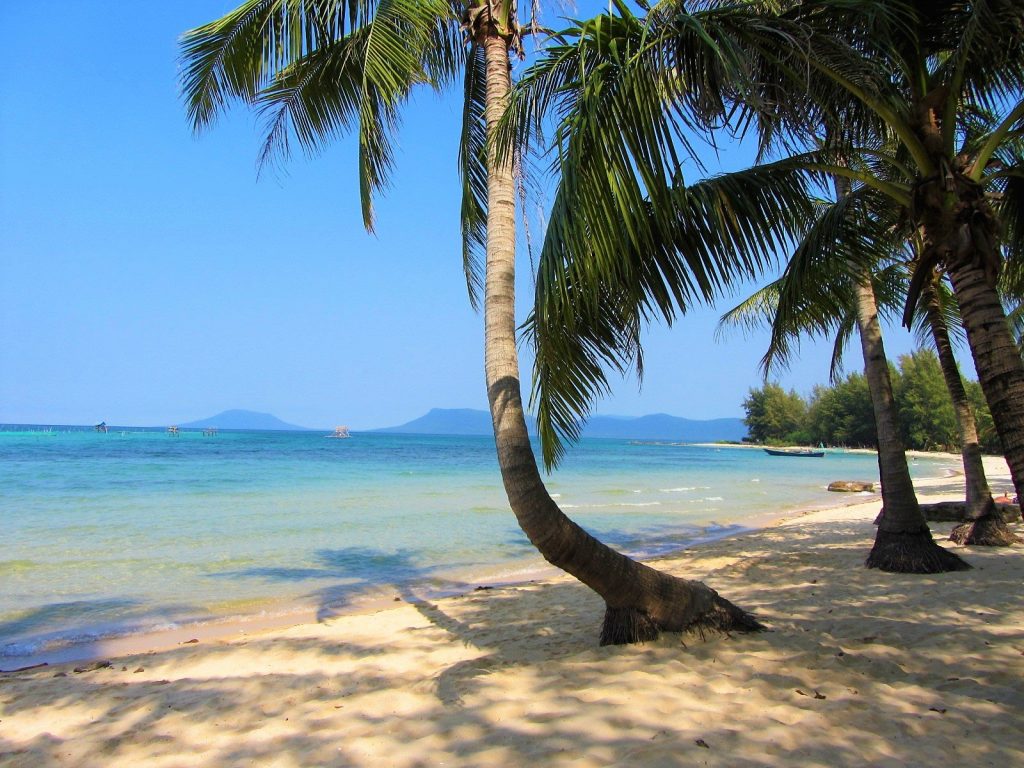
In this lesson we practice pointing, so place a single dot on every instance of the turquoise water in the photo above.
(134, 531)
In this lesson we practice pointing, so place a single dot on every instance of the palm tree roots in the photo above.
(912, 552)
(631, 625)
(989, 530)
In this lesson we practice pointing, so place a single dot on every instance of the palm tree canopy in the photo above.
(628, 241)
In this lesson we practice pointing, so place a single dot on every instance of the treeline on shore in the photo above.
(841, 414)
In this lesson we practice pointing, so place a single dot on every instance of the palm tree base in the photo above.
(623, 626)
(989, 530)
(912, 552)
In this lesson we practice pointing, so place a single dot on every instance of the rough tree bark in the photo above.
(983, 526)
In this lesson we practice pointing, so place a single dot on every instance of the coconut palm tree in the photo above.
(920, 73)
(316, 69)
(871, 72)
(806, 301)
(818, 298)
(611, 259)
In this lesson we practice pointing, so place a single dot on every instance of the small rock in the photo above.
(140, 669)
(92, 667)
(701, 743)
(851, 486)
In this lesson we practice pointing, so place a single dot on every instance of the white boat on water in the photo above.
(340, 433)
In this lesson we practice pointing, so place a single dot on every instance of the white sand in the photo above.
(860, 668)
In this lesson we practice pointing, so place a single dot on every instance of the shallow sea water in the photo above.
(135, 531)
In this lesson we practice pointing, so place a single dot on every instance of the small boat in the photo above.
(210, 432)
(173, 430)
(794, 452)
(340, 433)
(101, 427)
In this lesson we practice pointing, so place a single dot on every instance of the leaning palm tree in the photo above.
(316, 69)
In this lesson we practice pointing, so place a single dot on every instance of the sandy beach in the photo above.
(860, 668)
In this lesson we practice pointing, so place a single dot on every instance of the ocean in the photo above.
(135, 531)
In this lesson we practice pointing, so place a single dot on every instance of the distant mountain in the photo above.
(662, 426)
(236, 419)
(447, 421)
(658, 426)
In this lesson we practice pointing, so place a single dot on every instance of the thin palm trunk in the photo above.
(983, 524)
(903, 542)
(640, 601)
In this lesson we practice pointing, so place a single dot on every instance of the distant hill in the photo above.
(447, 421)
(236, 419)
(658, 426)
(662, 426)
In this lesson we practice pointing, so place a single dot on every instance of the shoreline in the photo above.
(285, 614)
(859, 668)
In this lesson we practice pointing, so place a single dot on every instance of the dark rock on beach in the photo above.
(851, 486)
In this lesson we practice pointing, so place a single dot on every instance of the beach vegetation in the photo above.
(316, 70)
(891, 136)
(931, 96)
(840, 413)
(775, 416)
(926, 411)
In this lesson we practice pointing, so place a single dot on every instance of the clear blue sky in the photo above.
(148, 277)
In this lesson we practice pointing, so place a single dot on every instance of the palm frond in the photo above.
(592, 302)
(239, 54)
(317, 69)
(473, 172)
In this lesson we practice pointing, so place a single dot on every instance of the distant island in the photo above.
(238, 419)
(658, 426)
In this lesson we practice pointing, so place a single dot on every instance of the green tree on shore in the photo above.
(842, 414)
(926, 411)
(774, 415)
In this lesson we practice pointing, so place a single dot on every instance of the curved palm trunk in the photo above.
(640, 601)
(983, 525)
(961, 233)
(996, 359)
(903, 543)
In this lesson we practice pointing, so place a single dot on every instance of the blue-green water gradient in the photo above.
(132, 531)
